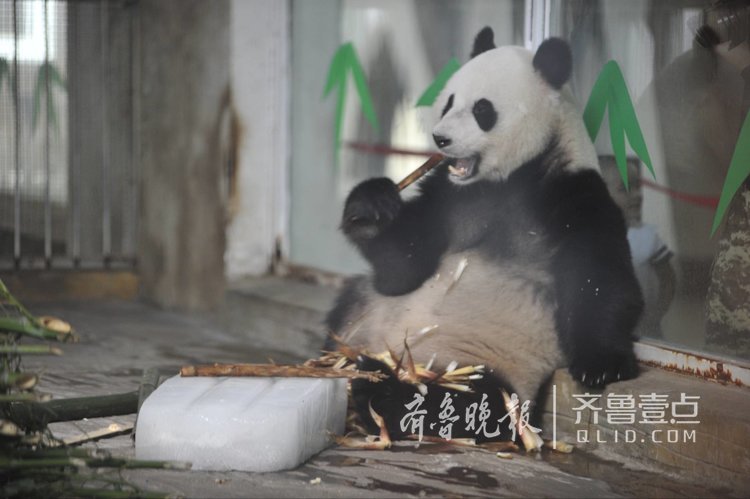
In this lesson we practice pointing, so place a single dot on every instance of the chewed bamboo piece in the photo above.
(276, 371)
(428, 165)
(403, 367)
(531, 441)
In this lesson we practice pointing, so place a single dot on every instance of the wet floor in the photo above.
(121, 339)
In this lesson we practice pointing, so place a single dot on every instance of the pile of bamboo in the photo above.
(33, 463)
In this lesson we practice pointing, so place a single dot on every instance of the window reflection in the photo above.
(684, 62)
(688, 85)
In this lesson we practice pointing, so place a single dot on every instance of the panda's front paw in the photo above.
(599, 371)
(370, 208)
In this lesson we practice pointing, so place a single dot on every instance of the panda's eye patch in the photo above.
(485, 114)
(448, 105)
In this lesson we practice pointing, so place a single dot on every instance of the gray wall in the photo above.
(184, 98)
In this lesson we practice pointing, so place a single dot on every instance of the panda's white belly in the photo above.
(489, 314)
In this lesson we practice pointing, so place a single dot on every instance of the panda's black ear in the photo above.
(554, 60)
(484, 41)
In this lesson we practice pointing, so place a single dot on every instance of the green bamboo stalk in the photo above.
(113, 494)
(37, 415)
(58, 482)
(17, 397)
(33, 327)
(28, 328)
(30, 350)
(9, 463)
(61, 452)
(13, 463)
(149, 382)
(22, 381)
(6, 294)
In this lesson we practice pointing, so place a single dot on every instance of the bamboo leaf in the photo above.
(4, 72)
(335, 70)
(47, 71)
(39, 89)
(24, 326)
(738, 172)
(340, 103)
(593, 113)
(344, 61)
(55, 76)
(617, 135)
(52, 114)
(6, 295)
(628, 118)
(611, 91)
(430, 95)
(29, 324)
(360, 83)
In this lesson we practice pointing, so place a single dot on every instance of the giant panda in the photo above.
(520, 210)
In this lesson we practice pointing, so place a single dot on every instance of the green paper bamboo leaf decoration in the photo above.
(593, 113)
(344, 61)
(429, 96)
(611, 91)
(46, 70)
(617, 136)
(4, 72)
(739, 171)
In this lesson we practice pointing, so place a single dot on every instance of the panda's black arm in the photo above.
(408, 251)
(599, 299)
(402, 241)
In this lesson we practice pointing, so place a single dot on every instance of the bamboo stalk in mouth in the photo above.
(428, 165)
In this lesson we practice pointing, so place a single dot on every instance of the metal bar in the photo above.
(536, 21)
(106, 208)
(75, 184)
(47, 175)
(17, 145)
(137, 58)
(527, 26)
(547, 18)
(130, 236)
(709, 366)
(66, 263)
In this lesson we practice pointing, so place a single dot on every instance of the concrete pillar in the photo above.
(260, 39)
(184, 101)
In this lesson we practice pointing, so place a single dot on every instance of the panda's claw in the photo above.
(598, 372)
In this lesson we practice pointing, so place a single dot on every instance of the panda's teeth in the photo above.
(459, 172)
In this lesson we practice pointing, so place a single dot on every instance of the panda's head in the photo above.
(501, 108)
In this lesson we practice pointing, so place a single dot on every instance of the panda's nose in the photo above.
(441, 141)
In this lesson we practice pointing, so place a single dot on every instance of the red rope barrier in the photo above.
(384, 150)
(696, 199)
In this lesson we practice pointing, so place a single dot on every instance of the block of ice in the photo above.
(250, 424)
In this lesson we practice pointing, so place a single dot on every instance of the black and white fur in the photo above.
(548, 279)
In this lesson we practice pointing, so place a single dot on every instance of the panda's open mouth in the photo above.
(463, 169)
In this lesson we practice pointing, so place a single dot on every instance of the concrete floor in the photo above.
(120, 339)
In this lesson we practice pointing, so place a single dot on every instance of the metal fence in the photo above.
(68, 186)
